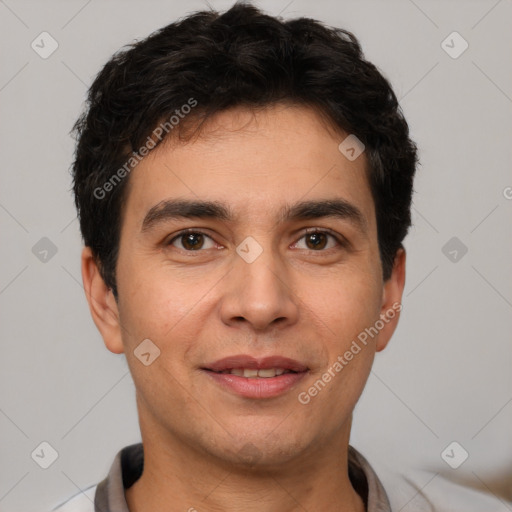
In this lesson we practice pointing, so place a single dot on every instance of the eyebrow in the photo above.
(172, 209)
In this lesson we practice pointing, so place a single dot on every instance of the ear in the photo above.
(102, 303)
(392, 300)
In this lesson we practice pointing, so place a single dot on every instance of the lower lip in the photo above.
(257, 387)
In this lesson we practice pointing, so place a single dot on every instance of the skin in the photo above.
(204, 446)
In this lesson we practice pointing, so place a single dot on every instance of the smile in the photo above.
(252, 373)
(256, 378)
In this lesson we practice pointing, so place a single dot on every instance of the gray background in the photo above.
(446, 375)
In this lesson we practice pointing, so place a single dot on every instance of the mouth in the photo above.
(251, 377)
(252, 373)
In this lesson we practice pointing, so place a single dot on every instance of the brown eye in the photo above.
(192, 241)
(317, 241)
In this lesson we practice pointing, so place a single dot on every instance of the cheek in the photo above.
(346, 303)
(156, 300)
(346, 306)
(171, 309)
(338, 384)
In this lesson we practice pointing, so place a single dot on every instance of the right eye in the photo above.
(190, 240)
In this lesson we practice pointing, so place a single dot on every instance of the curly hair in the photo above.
(246, 58)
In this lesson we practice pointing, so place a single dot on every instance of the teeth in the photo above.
(268, 372)
(252, 373)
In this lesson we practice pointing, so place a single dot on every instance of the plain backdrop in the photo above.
(446, 375)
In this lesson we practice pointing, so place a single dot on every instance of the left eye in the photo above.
(318, 240)
(192, 241)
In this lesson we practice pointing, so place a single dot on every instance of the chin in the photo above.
(261, 450)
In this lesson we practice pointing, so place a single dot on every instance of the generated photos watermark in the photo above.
(158, 133)
(342, 360)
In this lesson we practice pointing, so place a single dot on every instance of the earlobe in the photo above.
(102, 303)
(392, 300)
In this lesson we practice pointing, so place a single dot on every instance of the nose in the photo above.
(259, 294)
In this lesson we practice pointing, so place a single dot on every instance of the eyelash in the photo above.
(339, 240)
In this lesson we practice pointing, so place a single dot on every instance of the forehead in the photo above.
(257, 162)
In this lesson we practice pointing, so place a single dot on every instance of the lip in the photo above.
(256, 388)
(246, 361)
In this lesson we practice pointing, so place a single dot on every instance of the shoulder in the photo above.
(81, 502)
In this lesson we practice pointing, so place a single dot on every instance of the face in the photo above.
(249, 258)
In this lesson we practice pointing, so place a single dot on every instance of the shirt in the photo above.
(108, 495)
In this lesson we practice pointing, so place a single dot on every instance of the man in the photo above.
(243, 186)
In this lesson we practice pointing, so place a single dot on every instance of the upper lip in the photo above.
(246, 361)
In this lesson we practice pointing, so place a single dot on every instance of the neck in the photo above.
(177, 477)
